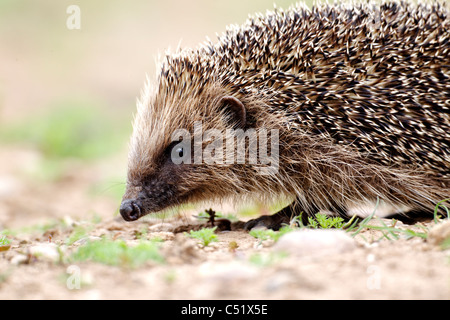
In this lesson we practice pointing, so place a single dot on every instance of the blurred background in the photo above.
(70, 73)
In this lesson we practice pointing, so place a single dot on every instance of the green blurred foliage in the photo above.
(119, 253)
(70, 130)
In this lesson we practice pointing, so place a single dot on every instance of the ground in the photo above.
(38, 264)
(66, 102)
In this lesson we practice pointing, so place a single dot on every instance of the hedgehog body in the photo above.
(360, 96)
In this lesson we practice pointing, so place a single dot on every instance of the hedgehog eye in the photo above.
(179, 152)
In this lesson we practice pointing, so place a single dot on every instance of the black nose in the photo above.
(130, 210)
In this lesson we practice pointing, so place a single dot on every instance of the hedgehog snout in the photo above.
(131, 209)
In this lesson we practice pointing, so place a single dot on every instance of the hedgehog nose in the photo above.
(130, 210)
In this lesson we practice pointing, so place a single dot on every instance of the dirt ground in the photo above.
(44, 62)
(238, 266)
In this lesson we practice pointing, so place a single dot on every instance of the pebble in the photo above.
(163, 235)
(46, 251)
(315, 242)
(164, 226)
(19, 259)
(180, 250)
(68, 221)
(439, 233)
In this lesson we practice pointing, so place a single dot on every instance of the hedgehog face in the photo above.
(166, 167)
(158, 189)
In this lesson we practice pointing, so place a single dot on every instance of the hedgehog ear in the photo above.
(236, 109)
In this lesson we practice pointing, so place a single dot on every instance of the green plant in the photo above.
(205, 235)
(118, 253)
(436, 209)
(355, 225)
(320, 221)
(78, 233)
(267, 260)
(393, 233)
(69, 129)
(445, 244)
(323, 221)
(5, 244)
(388, 232)
(4, 241)
(264, 234)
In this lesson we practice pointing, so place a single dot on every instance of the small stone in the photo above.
(180, 250)
(5, 247)
(68, 221)
(439, 233)
(315, 242)
(47, 251)
(163, 235)
(267, 243)
(19, 259)
(161, 227)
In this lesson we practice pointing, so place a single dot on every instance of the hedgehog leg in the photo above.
(274, 221)
(285, 215)
(411, 216)
(419, 213)
(416, 215)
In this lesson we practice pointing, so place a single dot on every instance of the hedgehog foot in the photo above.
(413, 216)
(275, 221)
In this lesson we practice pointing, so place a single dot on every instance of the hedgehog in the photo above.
(358, 94)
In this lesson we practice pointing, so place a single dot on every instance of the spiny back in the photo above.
(376, 77)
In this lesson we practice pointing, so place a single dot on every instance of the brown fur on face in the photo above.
(155, 182)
